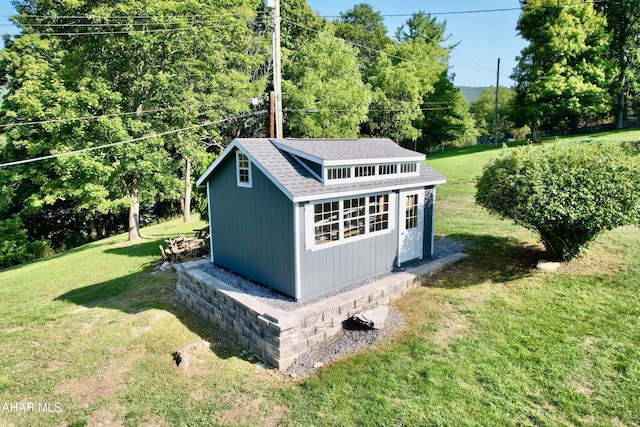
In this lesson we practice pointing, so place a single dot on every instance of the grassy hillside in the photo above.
(492, 341)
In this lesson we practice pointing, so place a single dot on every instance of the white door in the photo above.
(411, 225)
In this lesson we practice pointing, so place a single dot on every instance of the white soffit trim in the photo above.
(217, 161)
(360, 191)
(236, 144)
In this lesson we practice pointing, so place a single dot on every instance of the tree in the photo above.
(324, 90)
(145, 55)
(562, 75)
(567, 194)
(363, 27)
(401, 78)
(483, 110)
(623, 26)
(445, 117)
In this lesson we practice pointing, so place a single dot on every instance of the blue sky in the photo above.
(482, 37)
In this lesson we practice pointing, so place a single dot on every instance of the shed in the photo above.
(308, 216)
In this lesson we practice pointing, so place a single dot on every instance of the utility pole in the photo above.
(495, 120)
(272, 114)
(277, 65)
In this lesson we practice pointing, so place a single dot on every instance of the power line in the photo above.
(57, 17)
(470, 12)
(385, 110)
(133, 31)
(355, 44)
(155, 110)
(142, 138)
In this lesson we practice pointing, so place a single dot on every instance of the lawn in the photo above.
(492, 341)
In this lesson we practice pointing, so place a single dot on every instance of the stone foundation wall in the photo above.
(276, 336)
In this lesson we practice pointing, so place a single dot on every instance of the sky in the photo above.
(482, 37)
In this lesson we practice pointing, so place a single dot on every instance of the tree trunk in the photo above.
(621, 94)
(186, 206)
(134, 215)
(534, 131)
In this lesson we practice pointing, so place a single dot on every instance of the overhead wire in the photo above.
(100, 116)
(142, 138)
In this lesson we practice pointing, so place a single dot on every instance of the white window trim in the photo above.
(309, 222)
(243, 184)
(375, 177)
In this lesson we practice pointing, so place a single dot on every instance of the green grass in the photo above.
(492, 341)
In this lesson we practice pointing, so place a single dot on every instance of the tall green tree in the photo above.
(144, 56)
(623, 26)
(483, 110)
(364, 27)
(562, 75)
(323, 87)
(445, 118)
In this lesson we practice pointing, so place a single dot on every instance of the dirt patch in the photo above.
(451, 325)
(153, 421)
(247, 411)
(105, 417)
(91, 389)
(54, 365)
(581, 388)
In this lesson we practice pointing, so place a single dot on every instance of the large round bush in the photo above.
(566, 193)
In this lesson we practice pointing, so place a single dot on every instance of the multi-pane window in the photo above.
(338, 220)
(327, 222)
(338, 173)
(368, 172)
(354, 212)
(408, 167)
(378, 213)
(389, 169)
(243, 168)
(365, 171)
(411, 212)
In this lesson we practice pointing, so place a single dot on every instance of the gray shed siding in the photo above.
(325, 269)
(252, 228)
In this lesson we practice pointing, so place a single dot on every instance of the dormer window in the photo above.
(338, 173)
(408, 167)
(365, 171)
(371, 172)
(243, 170)
(389, 169)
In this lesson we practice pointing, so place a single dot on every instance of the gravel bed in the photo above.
(443, 246)
(353, 337)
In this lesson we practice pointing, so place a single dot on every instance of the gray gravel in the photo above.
(353, 337)
(443, 246)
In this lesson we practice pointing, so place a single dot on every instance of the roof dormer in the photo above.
(340, 162)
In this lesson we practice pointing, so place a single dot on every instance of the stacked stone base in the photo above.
(276, 336)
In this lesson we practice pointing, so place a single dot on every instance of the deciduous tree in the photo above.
(562, 75)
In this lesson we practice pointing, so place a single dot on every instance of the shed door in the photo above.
(411, 225)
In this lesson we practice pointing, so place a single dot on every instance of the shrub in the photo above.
(568, 194)
(15, 247)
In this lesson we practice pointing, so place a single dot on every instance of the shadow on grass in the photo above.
(143, 248)
(493, 258)
(138, 292)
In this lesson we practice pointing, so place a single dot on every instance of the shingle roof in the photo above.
(300, 185)
(327, 150)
